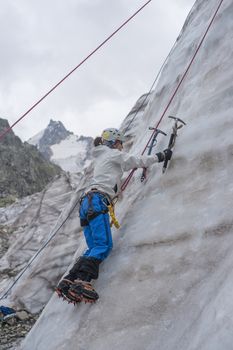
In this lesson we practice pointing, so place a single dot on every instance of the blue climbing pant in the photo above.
(97, 230)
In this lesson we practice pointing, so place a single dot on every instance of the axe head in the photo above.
(177, 119)
(157, 131)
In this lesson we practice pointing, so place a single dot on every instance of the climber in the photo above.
(110, 162)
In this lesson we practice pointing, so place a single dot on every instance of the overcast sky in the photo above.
(41, 41)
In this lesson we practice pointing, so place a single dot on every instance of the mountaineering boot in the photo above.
(84, 270)
(83, 291)
(63, 287)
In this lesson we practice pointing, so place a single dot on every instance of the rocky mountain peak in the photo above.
(54, 133)
(62, 147)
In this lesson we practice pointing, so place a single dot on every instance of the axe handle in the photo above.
(172, 138)
(171, 141)
(165, 165)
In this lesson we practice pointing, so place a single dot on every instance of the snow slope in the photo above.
(62, 147)
(71, 154)
(32, 219)
(168, 282)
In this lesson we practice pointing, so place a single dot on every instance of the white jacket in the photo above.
(109, 166)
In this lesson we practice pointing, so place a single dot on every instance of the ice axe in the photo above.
(151, 146)
(173, 136)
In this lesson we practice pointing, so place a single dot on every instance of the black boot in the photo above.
(83, 291)
(88, 269)
(64, 285)
(74, 272)
(63, 288)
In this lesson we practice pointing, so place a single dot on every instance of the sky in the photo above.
(41, 41)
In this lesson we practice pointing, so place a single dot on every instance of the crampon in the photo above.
(62, 290)
(82, 291)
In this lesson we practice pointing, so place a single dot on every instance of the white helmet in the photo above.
(111, 135)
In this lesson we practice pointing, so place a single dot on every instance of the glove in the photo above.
(165, 155)
(161, 156)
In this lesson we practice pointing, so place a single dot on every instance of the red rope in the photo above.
(72, 71)
(124, 185)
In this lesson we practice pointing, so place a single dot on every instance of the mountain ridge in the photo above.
(23, 170)
(60, 146)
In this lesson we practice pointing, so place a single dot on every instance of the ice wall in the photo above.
(168, 282)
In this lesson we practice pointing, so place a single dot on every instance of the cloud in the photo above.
(42, 41)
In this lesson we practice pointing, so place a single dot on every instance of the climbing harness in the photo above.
(150, 148)
(173, 137)
(92, 214)
(74, 69)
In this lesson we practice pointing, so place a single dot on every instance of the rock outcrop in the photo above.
(23, 170)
